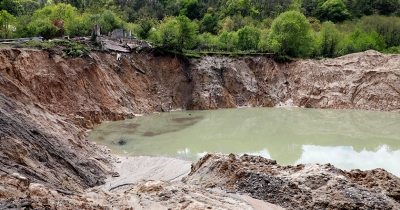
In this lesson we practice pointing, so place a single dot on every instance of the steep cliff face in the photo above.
(93, 89)
(368, 80)
(47, 102)
(100, 87)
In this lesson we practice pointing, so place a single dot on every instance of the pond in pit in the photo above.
(348, 139)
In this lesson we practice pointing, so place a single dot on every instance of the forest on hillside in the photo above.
(295, 28)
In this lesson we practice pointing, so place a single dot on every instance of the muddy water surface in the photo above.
(348, 139)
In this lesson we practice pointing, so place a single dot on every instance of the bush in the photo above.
(248, 38)
(6, 19)
(39, 45)
(75, 49)
(387, 27)
(42, 26)
(359, 41)
(291, 35)
(327, 40)
(392, 50)
(176, 34)
(78, 26)
(227, 41)
(193, 55)
(108, 21)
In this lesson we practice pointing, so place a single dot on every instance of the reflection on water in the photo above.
(346, 138)
(346, 157)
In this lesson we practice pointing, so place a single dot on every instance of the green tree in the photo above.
(335, 11)
(176, 33)
(43, 27)
(359, 41)
(387, 27)
(189, 8)
(29, 6)
(79, 26)
(291, 34)
(187, 32)
(208, 24)
(263, 44)
(63, 12)
(386, 7)
(226, 24)
(75, 3)
(360, 8)
(21, 25)
(13, 7)
(107, 20)
(146, 24)
(309, 7)
(228, 41)
(327, 39)
(166, 33)
(248, 38)
(56, 12)
(207, 41)
(56, 15)
(6, 21)
(242, 7)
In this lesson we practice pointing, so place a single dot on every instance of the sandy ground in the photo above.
(145, 182)
(132, 170)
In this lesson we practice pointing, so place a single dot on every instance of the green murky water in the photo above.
(348, 139)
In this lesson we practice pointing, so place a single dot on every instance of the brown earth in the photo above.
(47, 103)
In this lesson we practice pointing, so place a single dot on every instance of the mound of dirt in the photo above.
(307, 186)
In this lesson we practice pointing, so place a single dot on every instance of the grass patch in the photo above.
(283, 59)
(193, 55)
(75, 49)
(39, 45)
(70, 48)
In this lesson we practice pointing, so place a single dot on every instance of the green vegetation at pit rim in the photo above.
(294, 28)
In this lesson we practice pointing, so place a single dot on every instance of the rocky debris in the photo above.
(113, 46)
(297, 187)
(115, 174)
(179, 196)
(125, 45)
(155, 194)
(17, 194)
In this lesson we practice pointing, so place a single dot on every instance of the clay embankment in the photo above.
(47, 102)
